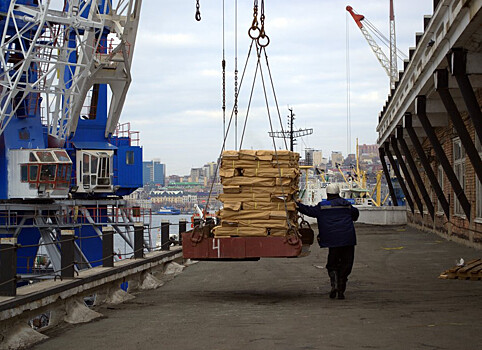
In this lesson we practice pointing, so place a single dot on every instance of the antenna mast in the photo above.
(291, 134)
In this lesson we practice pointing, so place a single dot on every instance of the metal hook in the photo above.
(198, 12)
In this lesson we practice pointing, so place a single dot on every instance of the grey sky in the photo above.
(175, 97)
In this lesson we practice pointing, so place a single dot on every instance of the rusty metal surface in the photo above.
(239, 247)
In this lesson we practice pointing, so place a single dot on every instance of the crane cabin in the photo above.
(94, 171)
(38, 173)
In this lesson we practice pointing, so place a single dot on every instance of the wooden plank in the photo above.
(472, 270)
(457, 268)
(454, 269)
(451, 275)
(469, 267)
(477, 270)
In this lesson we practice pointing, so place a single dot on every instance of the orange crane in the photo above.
(389, 64)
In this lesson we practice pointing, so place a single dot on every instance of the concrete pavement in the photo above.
(394, 301)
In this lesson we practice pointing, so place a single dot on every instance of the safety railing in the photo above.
(66, 244)
(123, 131)
(107, 50)
(76, 215)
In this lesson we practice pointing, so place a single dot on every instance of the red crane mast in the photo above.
(388, 64)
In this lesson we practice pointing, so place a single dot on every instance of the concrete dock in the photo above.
(395, 300)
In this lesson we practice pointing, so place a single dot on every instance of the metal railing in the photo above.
(72, 260)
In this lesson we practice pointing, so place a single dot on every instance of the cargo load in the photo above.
(259, 187)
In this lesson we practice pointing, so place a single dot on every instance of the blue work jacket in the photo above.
(335, 222)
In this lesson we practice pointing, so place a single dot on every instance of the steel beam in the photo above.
(442, 157)
(407, 123)
(441, 86)
(399, 177)
(124, 235)
(458, 67)
(128, 218)
(381, 151)
(415, 173)
(408, 176)
(48, 238)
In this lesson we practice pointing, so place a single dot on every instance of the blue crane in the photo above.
(64, 75)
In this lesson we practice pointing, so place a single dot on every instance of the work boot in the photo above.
(333, 280)
(341, 288)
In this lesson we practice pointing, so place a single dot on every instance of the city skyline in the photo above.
(212, 164)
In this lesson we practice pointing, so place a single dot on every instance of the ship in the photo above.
(374, 204)
(169, 211)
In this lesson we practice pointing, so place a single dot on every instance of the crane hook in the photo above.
(198, 12)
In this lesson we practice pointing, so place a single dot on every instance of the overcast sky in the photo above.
(175, 98)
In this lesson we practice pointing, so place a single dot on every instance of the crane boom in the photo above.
(393, 47)
(38, 65)
(389, 65)
(69, 53)
(113, 66)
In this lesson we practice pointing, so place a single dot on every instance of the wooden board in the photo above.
(472, 270)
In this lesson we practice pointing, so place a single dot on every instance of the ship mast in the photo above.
(291, 134)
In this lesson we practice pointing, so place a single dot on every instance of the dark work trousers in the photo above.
(340, 259)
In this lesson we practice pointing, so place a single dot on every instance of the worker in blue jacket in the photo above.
(337, 233)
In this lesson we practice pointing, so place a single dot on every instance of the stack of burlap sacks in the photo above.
(258, 193)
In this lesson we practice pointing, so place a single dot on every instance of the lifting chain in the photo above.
(223, 64)
(236, 93)
(198, 12)
(255, 32)
(263, 39)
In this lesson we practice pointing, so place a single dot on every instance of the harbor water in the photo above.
(122, 248)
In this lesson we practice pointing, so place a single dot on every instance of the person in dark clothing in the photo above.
(335, 219)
